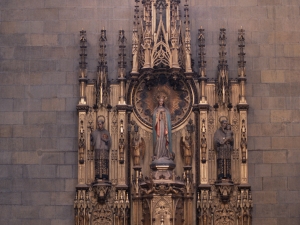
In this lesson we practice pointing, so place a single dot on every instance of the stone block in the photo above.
(5, 212)
(43, 39)
(68, 41)
(71, 157)
(288, 196)
(7, 171)
(68, 65)
(256, 183)
(29, 185)
(68, 221)
(52, 185)
(71, 103)
(20, 131)
(70, 184)
(67, 117)
(254, 129)
(42, 91)
(262, 142)
(284, 116)
(62, 198)
(25, 212)
(267, 50)
(39, 144)
(259, 116)
(68, 131)
(261, 90)
(40, 65)
(14, 92)
(5, 186)
(293, 156)
(38, 171)
(285, 143)
(273, 102)
(36, 198)
(292, 76)
(47, 212)
(273, 130)
(6, 105)
(12, 198)
(11, 118)
(65, 171)
(262, 170)
(292, 103)
(67, 91)
(263, 211)
(67, 144)
(261, 63)
(265, 197)
(5, 157)
(276, 156)
(25, 158)
(37, 27)
(39, 117)
(289, 221)
(12, 65)
(12, 39)
(44, 14)
(272, 76)
(294, 183)
(275, 183)
(36, 222)
(264, 221)
(6, 131)
(59, 26)
(53, 52)
(49, 131)
(64, 212)
(288, 90)
(255, 156)
(26, 105)
(54, 78)
(53, 104)
(22, 52)
(294, 210)
(285, 170)
(48, 158)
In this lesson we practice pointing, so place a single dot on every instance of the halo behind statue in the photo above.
(223, 118)
(101, 119)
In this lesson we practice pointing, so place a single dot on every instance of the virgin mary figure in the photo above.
(162, 131)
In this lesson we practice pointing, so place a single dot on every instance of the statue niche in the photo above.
(101, 141)
(223, 142)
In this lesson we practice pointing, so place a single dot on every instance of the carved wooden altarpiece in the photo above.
(203, 181)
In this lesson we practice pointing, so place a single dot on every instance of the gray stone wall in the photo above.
(39, 55)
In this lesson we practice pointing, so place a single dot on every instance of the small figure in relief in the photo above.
(101, 140)
(186, 150)
(138, 149)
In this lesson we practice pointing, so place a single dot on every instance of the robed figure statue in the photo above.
(101, 141)
(223, 142)
(162, 131)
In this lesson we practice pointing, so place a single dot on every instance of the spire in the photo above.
(187, 39)
(102, 76)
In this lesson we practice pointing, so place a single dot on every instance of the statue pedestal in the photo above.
(162, 169)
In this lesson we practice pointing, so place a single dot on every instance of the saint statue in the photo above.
(223, 142)
(162, 131)
(101, 140)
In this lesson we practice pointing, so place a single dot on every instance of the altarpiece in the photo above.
(163, 145)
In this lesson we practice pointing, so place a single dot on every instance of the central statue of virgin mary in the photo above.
(162, 131)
